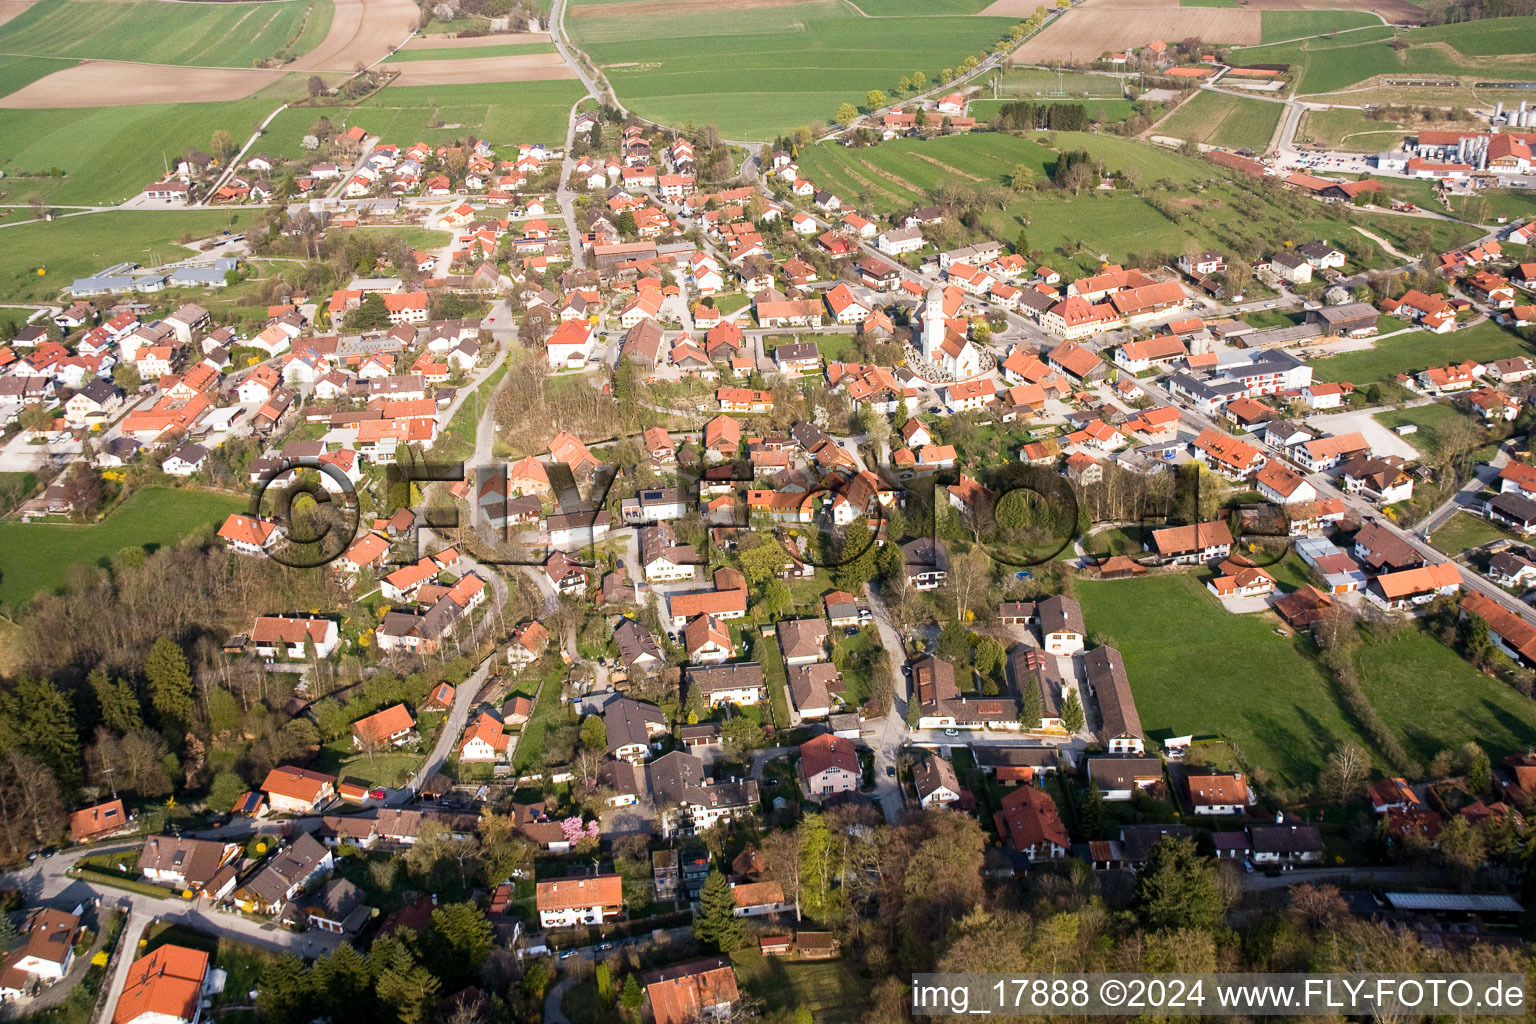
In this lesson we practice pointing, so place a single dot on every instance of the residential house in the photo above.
(588, 899)
(829, 765)
(1032, 826)
(936, 782)
(298, 790)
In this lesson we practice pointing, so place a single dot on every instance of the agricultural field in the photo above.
(1419, 350)
(1490, 37)
(407, 56)
(38, 556)
(1084, 33)
(898, 174)
(1079, 230)
(1338, 62)
(759, 74)
(102, 151)
(1432, 699)
(1222, 119)
(1279, 25)
(528, 112)
(16, 72)
(154, 32)
(1280, 711)
(72, 247)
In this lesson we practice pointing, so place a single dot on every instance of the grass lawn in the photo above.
(827, 988)
(545, 716)
(1349, 130)
(1432, 421)
(1434, 700)
(469, 52)
(38, 556)
(1194, 668)
(775, 676)
(72, 247)
(1421, 349)
(759, 73)
(389, 768)
(1222, 119)
(200, 35)
(241, 961)
(503, 114)
(1068, 87)
(1464, 530)
(1118, 540)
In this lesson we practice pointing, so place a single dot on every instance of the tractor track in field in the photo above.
(941, 165)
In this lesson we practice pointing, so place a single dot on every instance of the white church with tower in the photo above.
(941, 345)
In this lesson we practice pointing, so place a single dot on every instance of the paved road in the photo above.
(458, 717)
(46, 880)
(886, 735)
(1482, 476)
(1328, 876)
(133, 930)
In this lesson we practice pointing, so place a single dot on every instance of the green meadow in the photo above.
(767, 71)
(38, 556)
(501, 113)
(108, 154)
(155, 32)
(1221, 119)
(71, 247)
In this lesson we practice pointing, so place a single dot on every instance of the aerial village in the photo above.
(844, 568)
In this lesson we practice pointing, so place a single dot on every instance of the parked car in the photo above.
(890, 771)
(951, 732)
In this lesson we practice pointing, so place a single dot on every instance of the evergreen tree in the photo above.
(694, 705)
(370, 315)
(818, 867)
(403, 986)
(1031, 704)
(856, 558)
(1095, 821)
(954, 641)
(631, 998)
(460, 940)
(116, 704)
(715, 924)
(1479, 772)
(1178, 888)
(594, 733)
(1072, 716)
(170, 683)
(914, 712)
(342, 984)
(38, 718)
(285, 994)
(604, 978)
